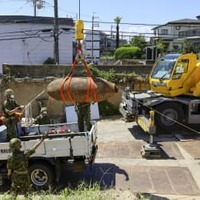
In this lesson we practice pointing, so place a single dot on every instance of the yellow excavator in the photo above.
(173, 103)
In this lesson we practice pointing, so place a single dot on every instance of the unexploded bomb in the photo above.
(81, 89)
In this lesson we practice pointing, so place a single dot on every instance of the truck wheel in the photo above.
(42, 175)
(168, 117)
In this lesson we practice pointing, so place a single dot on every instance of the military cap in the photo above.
(8, 92)
(15, 144)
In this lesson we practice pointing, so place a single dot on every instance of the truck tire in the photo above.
(168, 117)
(42, 175)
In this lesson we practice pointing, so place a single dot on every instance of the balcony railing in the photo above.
(189, 33)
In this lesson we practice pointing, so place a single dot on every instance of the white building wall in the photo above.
(92, 46)
(96, 36)
(173, 30)
(66, 48)
(96, 45)
(27, 44)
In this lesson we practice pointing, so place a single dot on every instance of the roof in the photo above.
(180, 22)
(4, 19)
(185, 21)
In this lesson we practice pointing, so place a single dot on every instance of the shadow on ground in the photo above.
(150, 196)
(165, 143)
(139, 134)
(104, 174)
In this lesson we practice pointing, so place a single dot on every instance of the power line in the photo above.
(48, 33)
(20, 8)
(123, 23)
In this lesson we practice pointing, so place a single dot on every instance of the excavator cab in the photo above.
(174, 74)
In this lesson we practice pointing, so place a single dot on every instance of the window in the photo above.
(164, 32)
(181, 67)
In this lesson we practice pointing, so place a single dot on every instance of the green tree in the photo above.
(161, 46)
(188, 47)
(117, 21)
(138, 41)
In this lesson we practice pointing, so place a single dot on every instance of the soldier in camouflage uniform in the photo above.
(43, 118)
(17, 167)
(84, 117)
(10, 110)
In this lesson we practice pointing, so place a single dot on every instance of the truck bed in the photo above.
(64, 140)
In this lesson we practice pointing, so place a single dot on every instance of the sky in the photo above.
(136, 16)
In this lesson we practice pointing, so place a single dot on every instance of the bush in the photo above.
(107, 109)
(128, 53)
(107, 75)
(49, 61)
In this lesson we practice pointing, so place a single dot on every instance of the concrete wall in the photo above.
(40, 71)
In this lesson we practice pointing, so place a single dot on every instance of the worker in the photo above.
(43, 117)
(83, 115)
(12, 113)
(17, 167)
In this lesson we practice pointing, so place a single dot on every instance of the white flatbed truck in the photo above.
(63, 144)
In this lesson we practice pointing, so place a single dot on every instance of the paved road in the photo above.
(119, 164)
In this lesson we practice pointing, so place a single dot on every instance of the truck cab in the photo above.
(175, 74)
(174, 97)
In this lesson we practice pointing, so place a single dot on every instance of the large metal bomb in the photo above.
(81, 89)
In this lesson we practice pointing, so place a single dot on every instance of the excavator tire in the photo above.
(168, 118)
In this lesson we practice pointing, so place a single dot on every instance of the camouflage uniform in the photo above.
(18, 163)
(10, 120)
(83, 114)
(43, 118)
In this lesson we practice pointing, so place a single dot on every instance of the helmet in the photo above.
(43, 109)
(8, 92)
(15, 144)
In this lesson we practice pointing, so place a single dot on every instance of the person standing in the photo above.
(84, 116)
(12, 111)
(43, 117)
(17, 167)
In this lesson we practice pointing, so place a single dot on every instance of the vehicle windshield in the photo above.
(164, 66)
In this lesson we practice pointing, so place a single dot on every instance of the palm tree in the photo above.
(117, 21)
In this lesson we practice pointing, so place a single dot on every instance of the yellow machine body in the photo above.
(176, 74)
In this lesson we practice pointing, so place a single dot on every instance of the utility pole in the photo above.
(56, 33)
(92, 38)
(93, 25)
(79, 9)
(34, 5)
